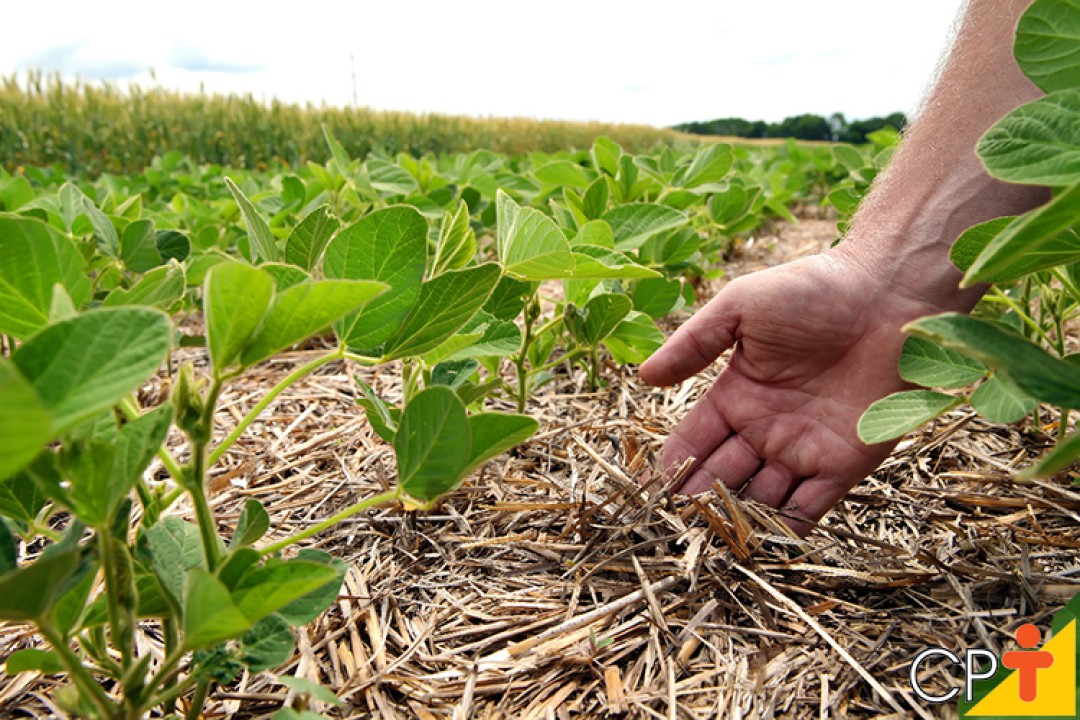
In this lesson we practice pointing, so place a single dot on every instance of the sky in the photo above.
(656, 63)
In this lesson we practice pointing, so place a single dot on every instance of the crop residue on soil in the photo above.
(553, 585)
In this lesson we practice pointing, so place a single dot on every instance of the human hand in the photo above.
(816, 342)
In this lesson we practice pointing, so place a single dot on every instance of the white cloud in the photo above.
(630, 62)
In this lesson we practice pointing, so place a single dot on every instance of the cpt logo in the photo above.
(1042, 681)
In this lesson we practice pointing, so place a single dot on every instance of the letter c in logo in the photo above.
(913, 674)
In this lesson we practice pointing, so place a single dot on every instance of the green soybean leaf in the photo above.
(22, 498)
(138, 249)
(670, 250)
(1000, 401)
(635, 223)
(1034, 370)
(563, 173)
(70, 198)
(174, 548)
(285, 276)
(433, 444)
(508, 298)
(454, 373)
(389, 179)
(1060, 458)
(70, 608)
(495, 433)
(135, 447)
(457, 241)
(87, 364)
(711, 164)
(926, 363)
(62, 306)
(337, 151)
(306, 608)
(902, 412)
(236, 565)
(25, 423)
(598, 263)
(263, 244)
(382, 417)
(445, 304)
(172, 245)
(530, 245)
(595, 200)
(235, 300)
(974, 240)
(160, 288)
(605, 155)
(267, 589)
(728, 206)
(656, 297)
(1038, 143)
(267, 645)
(595, 233)
(210, 615)
(29, 592)
(310, 237)
(107, 240)
(1048, 44)
(500, 338)
(16, 193)
(302, 310)
(35, 258)
(601, 315)
(634, 339)
(390, 246)
(1036, 240)
(253, 523)
(45, 662)
(88, 467)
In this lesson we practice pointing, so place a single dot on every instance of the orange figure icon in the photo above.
(1028, 662)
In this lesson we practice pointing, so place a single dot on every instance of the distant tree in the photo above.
(734, 126)
(804, 127)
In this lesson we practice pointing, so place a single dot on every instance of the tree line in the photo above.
(804, 127)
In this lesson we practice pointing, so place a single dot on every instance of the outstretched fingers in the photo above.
(695, 345)
(810, 501)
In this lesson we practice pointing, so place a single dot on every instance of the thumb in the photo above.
(696, 344)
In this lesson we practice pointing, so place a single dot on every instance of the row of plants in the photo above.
(441, 266)
(101, 127)
(1013, 354)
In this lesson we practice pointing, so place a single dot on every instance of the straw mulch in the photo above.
(551, 585)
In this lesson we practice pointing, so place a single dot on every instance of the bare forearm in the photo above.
(936, 187)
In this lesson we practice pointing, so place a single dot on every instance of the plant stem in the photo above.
(568, 357)
(172, 643)
(360, 359)
(1028, 321)
(121, 615)
(289, 379)
(167, 699)
(74, 665)
(380, 499)
(521, 360)
(131, 412)
(203, 512)
(198, 700)
(165, 672)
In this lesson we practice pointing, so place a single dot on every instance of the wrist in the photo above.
(903, 279)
